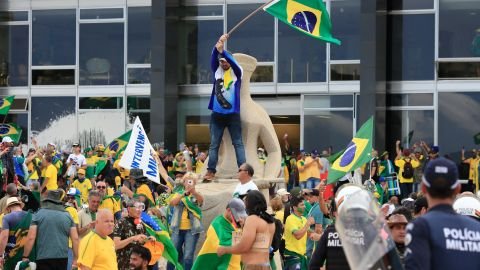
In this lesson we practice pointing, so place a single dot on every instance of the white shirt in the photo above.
(242, 189)
(77, 161)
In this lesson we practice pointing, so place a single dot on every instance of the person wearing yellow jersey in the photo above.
(33, 166)
(295, 235)
(83, 185)
(313, 166)
(97, 249)
(49, 175)
(108, 202)
(473, 162)
(200, 162)
(302, 170)
(124, 173)
(406, 163)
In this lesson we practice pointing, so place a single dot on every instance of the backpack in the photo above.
(407, 170)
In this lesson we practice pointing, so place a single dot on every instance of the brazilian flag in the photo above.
(218, 234)
(11, 130)
(119, 144)
(357, 153)
(5, 104)
(307, 16)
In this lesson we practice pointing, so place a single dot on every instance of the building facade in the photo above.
(83, 69)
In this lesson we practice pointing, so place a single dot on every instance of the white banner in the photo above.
(139, 153)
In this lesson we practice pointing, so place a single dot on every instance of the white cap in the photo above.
(282, 192)
(468, 205)
(7, 139)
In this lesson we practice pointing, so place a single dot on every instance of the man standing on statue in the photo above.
(225, 106)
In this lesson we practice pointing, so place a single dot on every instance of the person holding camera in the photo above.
(186, 223)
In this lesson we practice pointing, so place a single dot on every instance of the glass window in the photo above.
(318, 122)
(410, 99)
(138, 75)
(139, 35)
(14, 55)
(100, 126)
(53, 120)
(410, 47)
(262, 74)
(334, 101)
(21, 119)
(101, 54)
(13, 16)
(200, 39)
(300, 57)
(204, 10)
(409, 4)
(100, 103)
(345, 16)
(459, 33)
(255, 36)
(20, 104)
(345, 72)
(53, 37)
(53, 77)
(139, 106)
(459, 70)
(458, 116)
(409, 127)
(104, 13)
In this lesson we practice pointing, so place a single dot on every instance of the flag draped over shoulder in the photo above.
(119, 144)
(11, 130)
(5, 104)
(218, 234)
(191, 206)
(357, 153)
(154, 227)
(307, 16)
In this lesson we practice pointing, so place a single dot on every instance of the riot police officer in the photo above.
(442, 239)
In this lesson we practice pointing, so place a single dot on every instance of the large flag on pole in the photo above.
(11, 130)
(5, 104)
(357, 153)
(307, 16)
(139, 153)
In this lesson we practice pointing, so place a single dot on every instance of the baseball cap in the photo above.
(315, 152)
(282, 192)
(76, 144)
(81, 171)
(441, 168)
(7, 139)
(238, 208)
(296, 192)
(73, 192)
(434, 149)
(222, 59)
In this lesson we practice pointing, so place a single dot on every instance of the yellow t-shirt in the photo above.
(97, 252)
(110, 204)
(199, 167)
(84, 188)
(31, 168)
(313, 170)
(279, 215)
(74, 214)
(293, 224)
(185, 221)
(51, 173)
(302, 176)
(400, 163)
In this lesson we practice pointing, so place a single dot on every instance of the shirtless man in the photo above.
(257, 235)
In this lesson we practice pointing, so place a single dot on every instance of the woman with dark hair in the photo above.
(257, 234)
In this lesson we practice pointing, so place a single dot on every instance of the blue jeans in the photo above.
(70, 259)
(218, 123)
(312, 182)
(185, 243)
(303, 185)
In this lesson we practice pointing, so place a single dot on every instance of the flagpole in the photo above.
(248, 17)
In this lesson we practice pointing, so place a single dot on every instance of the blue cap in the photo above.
(315, 152)
(441, 168)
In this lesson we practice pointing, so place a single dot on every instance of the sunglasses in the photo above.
(101, 187)
(139, 206)
(240, 170)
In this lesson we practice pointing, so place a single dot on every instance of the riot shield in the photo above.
(363, 231)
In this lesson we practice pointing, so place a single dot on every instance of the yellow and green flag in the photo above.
(5, 104)
(11, 130)
(307, 16)
(218, 234)
(357, 153)
(119, 144)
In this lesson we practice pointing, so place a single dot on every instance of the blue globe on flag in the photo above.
(305, 20)
(113, 146)
(348, 155)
